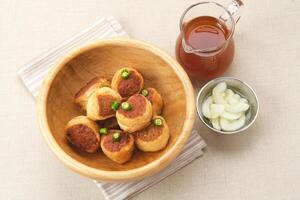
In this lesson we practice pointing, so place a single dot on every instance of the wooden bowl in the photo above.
(56, 105)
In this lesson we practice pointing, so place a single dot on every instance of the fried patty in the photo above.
(130, 86)
(149, 134)
(83, 138)
(138, 106)
(113, 146)
(105, 102)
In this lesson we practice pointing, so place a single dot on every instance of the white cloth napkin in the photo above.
(33, 73)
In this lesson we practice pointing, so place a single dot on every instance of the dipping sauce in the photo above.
(205, 33)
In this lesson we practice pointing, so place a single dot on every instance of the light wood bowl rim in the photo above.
(128, 175)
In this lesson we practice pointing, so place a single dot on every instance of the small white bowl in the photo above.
(238, 86)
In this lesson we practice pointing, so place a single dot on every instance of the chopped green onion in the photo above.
(126, 106)
(116, 137)
(103, 131)
(158, 122)
(115, 105)
(144, 92)
(125, 74)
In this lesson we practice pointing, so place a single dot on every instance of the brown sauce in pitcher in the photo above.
(205, 33)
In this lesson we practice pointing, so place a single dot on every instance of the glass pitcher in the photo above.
(205, 47)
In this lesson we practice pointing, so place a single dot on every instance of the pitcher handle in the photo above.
(234, 8)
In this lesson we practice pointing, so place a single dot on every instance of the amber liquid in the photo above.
(205, 33)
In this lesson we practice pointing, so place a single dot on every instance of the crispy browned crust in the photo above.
(153, 138)
(138, 106)
(112, 146)
(133, 85)
(83, 138)
(121, 151)
(156, 100)
(130, 86)
(138, 117)
(149, 134)
(81, 97)
(98, 106)
(82, 133)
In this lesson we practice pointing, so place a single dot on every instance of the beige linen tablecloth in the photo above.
(263, 163)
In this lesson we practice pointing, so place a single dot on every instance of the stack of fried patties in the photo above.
(119, 116)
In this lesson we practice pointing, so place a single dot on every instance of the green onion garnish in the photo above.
(157, 122)
(103, 131)
(115, 105)
(125, 74)
(126, 106)
(116, 137)
(144, 92)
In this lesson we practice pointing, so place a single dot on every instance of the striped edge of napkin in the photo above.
(33, 73)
